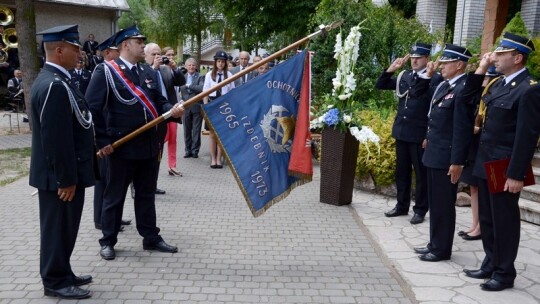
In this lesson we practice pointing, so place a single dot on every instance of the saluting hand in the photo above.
(485, 63)
(67, 194)
(431, 67)
(398, 64)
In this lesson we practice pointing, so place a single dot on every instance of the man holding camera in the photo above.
(169, 76)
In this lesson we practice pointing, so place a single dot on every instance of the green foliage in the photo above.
(533, 63)
(254, 24)
(515, 26)
(380, 166)
(386, 35)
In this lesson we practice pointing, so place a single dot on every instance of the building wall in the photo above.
(432, 12)
(469, 20)
(90, 20)
(530, 12)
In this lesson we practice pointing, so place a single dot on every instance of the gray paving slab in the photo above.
(445, 282)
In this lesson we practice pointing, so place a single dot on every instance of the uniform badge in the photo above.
(533, 82)
(449, 96)
(123, 67)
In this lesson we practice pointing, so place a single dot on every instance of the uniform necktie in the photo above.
(442, 86)
(218, 92)
(135, 74)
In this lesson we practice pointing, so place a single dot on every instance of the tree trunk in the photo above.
(25, 24)
(199, 48)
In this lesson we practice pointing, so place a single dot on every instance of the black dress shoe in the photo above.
(159, 191)
(70, 292)
(461, 233)
(395, 212)
(188, 155)
(477, 273)
(467, 237)
(195, 155)
(430, 257)
(421, 250)
(161, 246)
(126, 222)
(417, 219)
(82, 280)
(494, 285)
(107, 252)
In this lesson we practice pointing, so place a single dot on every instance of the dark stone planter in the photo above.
(338, 165)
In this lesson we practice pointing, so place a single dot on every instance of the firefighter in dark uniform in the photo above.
(510, 131)
(450, 121)
(110, 52)
(62, 163)
(409, 128)
(80, 77)
(131, 97)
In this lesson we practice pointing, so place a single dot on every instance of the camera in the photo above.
(165, 60)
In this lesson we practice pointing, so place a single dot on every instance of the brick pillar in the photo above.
(530, 12)
(432, 12)
(469, 20)
(494, 21)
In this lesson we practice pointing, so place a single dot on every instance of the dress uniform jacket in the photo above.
(62, 149)
(81, 81)
(449, 128)
(410, 124)
(125, 115)
(511, 126)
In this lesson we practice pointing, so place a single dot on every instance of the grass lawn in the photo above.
(14, 164)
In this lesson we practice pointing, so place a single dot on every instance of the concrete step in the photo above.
(529, 210)
(536, 160)
(536, 172)
(531, 193)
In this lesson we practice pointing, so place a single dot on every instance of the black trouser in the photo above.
(409, 156)
(192, 129)
(500, 225)
(59, 225)
(99, 189)
(442, 196)
(121, 173)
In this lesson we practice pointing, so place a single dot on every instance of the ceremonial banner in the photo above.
(255, 125)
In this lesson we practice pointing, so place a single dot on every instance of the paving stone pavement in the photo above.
(300, 251)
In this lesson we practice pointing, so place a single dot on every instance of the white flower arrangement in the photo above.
(340, 112)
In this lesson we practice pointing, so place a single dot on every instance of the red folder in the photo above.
(496, 175)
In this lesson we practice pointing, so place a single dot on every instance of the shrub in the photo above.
(380, 166)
